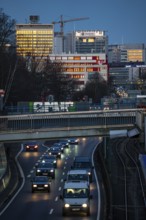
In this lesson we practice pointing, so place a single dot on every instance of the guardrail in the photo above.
(69, 120)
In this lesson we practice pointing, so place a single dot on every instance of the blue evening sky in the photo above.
(124, 20)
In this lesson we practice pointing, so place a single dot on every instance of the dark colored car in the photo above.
(31, 146)
(55, 151)
(40, 183)
(73, 141)
(65, 143)
(45, 169)
(60, 145)
(49, 159)
(84, 162)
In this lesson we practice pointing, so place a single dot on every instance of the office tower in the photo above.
(34, 39)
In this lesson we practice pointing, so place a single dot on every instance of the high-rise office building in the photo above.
(35, 40)
(91, 42)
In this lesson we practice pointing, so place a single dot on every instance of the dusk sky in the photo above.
(124, 20)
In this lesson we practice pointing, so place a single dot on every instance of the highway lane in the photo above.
(42, 205)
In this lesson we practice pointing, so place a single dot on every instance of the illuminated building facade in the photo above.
(91, 41)
(35, 40)
(127, 53)
(81, 67)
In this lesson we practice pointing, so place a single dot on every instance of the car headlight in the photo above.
(46, 185)
(38, 171)
(66, 205)
(54, 161)
(51, 171)
(89, 173)
(43, 161)
(34, 185)
(84, 205)
(59, 153)
(50, 153)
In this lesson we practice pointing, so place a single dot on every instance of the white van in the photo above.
(76, 197)
(80, 175)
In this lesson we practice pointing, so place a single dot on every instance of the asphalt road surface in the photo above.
(43, 205)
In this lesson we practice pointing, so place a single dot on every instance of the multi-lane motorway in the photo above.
(42, 205)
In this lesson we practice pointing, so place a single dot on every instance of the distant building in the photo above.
(34, 39)
(127, 53)
(82, 66)
(83, 42)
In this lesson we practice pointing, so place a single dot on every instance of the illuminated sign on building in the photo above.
(89, 33)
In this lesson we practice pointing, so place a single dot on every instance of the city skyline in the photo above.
(123, 20)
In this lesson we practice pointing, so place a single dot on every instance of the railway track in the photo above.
(127, 186)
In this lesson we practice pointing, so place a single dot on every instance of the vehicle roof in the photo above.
(79, 171)
(82, 159)
(76, 184)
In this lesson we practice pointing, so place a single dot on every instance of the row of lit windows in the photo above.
(75, 58)
(31, 44)
(82, 69)
(34, 39)
(79, 64)
(34, 32)
(89, 40)
(77, 76)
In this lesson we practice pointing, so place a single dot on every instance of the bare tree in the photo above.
(7, 30)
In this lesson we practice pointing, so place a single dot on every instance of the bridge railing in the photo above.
(67, 119)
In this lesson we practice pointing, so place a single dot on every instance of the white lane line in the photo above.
(51, 211)
(59, 189)
(63, 173)
(62, 180)
(56, 199)
(28, 176)
(64, 168)
(32, 171)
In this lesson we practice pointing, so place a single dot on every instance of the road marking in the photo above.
(51, 211)
(32, 171)
(56, 199)
(63, 173)
(59, 189)
(28, 176)
(62, 180)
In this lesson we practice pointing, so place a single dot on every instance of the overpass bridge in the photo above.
(67, 124)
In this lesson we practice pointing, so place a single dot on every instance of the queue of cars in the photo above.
(76, 191)
(45, 169)
(75, 194)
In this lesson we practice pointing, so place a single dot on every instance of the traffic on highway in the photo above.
(47, 192)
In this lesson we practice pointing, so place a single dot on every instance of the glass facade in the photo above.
(34, 40)
(91, 42)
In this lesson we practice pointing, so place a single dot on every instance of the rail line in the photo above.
(128, 189)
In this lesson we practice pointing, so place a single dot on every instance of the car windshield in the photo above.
(78, 177)
(40, 179)
(75, 193)
(46, 165)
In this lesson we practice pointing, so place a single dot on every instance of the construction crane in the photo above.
(61, 22)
